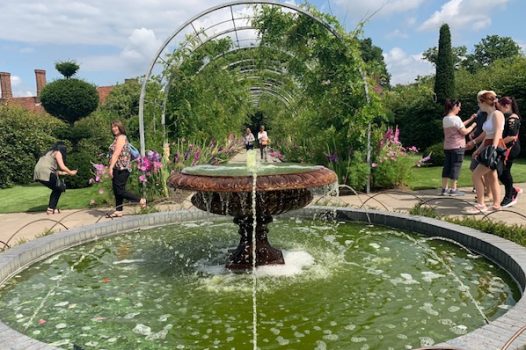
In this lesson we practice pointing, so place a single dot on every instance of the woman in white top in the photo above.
(249, 139)
(493, 127)
(455, 132)
(263, 142)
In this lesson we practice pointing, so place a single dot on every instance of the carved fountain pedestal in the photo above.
(276, 192)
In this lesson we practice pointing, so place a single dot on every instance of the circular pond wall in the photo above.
(506, 254)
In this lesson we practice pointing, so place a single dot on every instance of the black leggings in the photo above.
(505, 176)
(55, 191)
(120, 177)
(263, 151)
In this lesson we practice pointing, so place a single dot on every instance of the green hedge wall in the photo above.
(24, 137)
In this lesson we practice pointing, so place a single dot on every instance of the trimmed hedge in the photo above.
(24, 137)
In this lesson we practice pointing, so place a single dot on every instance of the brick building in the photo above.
(32, 103)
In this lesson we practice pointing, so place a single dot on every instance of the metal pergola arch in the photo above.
(190, 23)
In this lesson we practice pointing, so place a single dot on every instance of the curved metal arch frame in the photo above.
(236, 49)
(189, 22)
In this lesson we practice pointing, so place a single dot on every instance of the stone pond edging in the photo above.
(508, 255)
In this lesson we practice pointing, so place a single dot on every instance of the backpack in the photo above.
(134, 152)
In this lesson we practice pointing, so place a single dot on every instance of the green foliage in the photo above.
(123, 100)
(209, 101)
(373, 57)
(80, 160)
(490, 49)
(417, 115)
(424, 210)
(437, 154)
(24, 137)
(326, 104)
(67, 68)
(445, 68)
(514, 233)
(69, 99)
(392, 166)
(358, 172)
(459, 55)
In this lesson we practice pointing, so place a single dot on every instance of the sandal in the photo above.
(115, 214)
(477, 209)
(50, 211)
(142, 203)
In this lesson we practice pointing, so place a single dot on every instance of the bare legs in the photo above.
(490, 177)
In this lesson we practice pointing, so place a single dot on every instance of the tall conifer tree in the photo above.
(445, 70)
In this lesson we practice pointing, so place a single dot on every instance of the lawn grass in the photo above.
(431, 177)
(35, 197)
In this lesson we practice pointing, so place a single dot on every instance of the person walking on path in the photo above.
(263, 141)
(486, 153)
(510, 135)
(480, 118)
(47, 171)
(455, 132)
(249, 139)
(119, 169)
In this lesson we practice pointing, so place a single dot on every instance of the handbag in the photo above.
(134, 152)
(61, 184)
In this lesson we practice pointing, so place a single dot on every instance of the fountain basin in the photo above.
(229, 190)
(502, 252)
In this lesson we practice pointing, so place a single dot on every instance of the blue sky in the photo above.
(117, 39)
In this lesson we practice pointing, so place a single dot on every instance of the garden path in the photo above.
(40, 223)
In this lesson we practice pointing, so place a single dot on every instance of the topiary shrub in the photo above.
(437, 154)
(69, 99)
(82, 162)
(24, 137)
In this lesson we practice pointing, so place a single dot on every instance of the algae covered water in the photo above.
(344, 286)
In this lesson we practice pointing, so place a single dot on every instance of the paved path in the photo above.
(20, 227)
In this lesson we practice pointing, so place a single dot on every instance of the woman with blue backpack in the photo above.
(120, 167)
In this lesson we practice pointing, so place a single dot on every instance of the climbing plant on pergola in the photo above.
(293, 61)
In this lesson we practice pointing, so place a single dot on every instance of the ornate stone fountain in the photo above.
(228, 190)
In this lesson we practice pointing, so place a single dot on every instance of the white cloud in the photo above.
(18, 88)
(361, 9)
(404, 68)
(472, 14)
(15, 81)
(139, 50)
(142, 44)
(94, 22)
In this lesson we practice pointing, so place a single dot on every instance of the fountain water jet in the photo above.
(228, 190)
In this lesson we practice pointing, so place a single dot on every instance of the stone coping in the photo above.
(508, 255)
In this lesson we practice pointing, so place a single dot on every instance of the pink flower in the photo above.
(157, 166)
(374, 165)
(144, 164)
(143, 179)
